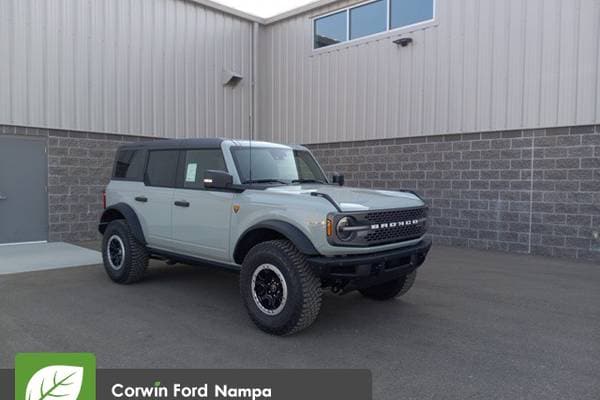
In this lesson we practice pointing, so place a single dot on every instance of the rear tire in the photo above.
(281, 292)
(391, 289)
(125, 259)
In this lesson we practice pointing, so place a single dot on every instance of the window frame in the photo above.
(388, 6)
(314, 30)
(389, 31)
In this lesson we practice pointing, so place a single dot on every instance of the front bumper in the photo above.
(358, 271)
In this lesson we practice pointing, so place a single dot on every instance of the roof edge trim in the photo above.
(228, 10)
(299, 10)
(263, 21)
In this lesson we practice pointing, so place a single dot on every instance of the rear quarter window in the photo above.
(129, 165)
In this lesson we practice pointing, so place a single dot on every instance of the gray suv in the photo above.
(267, 211)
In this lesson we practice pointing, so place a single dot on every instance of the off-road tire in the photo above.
(136, 255)
(391, 289)
(303, 302)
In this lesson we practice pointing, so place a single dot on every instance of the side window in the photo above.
(129, 165)
(198, 161)
(368, 19)
(330, 29)
(162, 168)
(307, 167)
(409, 12)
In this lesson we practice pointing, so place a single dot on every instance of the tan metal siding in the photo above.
(149, 67)
(484, 65)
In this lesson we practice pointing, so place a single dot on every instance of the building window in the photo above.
(331, 29)
(409, 12)
(369, 18)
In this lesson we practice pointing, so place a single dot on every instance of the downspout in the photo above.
(253, 111)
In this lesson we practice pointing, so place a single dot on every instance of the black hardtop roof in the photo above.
(166, 144)
(176, 144)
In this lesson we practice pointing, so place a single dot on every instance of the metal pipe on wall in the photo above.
(253, 127)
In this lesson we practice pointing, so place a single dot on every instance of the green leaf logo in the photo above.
(55, 382)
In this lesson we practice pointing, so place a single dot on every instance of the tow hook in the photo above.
(337, 287)
(377, 268)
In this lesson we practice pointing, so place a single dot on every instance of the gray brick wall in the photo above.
(532, 191)
(79, 167)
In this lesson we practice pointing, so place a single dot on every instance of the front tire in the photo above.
(281, 292)
(391, 289)
(125, 259)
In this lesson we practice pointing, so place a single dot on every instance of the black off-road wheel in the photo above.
(280, 290)
(391, 289)
(125, 259)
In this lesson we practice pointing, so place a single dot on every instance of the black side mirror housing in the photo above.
(217, 179)
(338, 178)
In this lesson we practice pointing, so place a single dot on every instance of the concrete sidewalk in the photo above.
(16, 258)
(476, 325)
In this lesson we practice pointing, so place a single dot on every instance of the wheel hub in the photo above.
(269, 289)
(115, 249)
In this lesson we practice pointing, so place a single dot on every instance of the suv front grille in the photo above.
(393, 230)
(374, 228)
(378, 217)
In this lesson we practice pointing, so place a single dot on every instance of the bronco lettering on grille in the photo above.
(395, 224)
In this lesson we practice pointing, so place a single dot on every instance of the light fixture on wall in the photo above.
(403, 42)
(231, 78)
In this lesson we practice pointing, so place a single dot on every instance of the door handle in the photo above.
(182, 203)
(2, 197)
(141, 199)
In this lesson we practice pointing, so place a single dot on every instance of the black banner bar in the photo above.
(222, 384)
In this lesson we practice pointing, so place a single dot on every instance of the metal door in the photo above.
(201, 217)
(23, 190)
(201, 223)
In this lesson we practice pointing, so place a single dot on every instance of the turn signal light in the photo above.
(329, 227)
(104, 199)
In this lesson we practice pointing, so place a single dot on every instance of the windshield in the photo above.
(276, 165)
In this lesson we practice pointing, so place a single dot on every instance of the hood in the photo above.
(355, 199)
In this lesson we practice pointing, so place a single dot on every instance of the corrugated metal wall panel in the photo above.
(587, 63)
(5, 54)
(144, 67)
(485, 65)
(153, 67)
(598, 77)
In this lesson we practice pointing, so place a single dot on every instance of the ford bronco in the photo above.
(266, 210)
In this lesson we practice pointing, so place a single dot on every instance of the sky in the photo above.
(264, 8)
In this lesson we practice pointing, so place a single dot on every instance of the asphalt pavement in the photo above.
(475, 325)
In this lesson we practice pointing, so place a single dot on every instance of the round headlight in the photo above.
(339, 228)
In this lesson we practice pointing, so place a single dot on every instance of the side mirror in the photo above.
(217, 179)
(338, 178)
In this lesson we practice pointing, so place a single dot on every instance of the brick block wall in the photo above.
(530, 191)
(79, 168)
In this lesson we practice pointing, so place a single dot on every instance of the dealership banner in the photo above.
(43, 376)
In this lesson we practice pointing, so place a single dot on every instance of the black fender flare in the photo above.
(121, 209)
(292, 233)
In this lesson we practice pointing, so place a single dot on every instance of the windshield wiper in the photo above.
(308, 181)
(265, 181)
